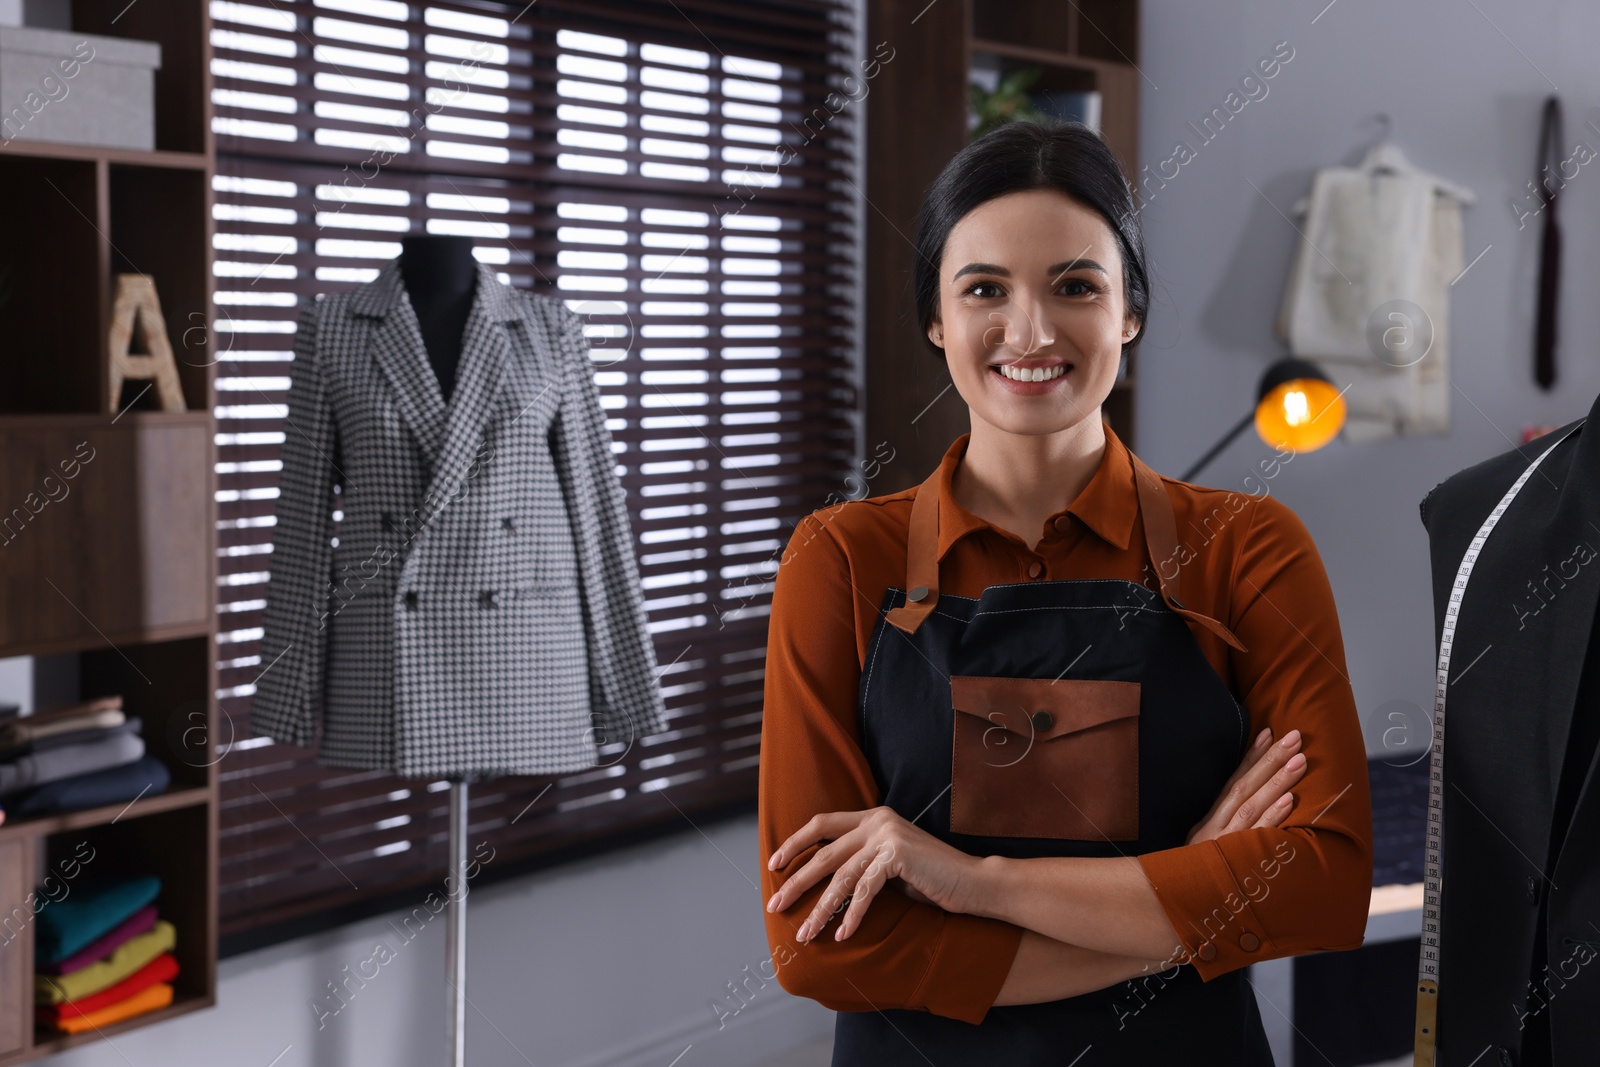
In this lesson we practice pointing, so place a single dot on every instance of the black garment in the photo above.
(1520, 711)
(1581, 744)
(1191, 735)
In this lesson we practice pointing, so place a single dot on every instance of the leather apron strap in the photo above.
(1160, 534)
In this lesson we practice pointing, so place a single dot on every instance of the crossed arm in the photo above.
(1116, 929)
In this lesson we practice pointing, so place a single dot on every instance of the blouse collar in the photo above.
(1108, 505)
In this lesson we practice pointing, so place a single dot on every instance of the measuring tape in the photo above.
(1428, 961)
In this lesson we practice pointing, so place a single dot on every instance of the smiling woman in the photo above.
(1011, 761)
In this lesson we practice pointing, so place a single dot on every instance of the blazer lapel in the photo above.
(485, 355)
(396, 345)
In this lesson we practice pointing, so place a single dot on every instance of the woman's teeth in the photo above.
(1035, 374)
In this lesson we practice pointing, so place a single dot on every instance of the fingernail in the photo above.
(772, 862)
(772, 902)
(804, 933)
(1290, 738)
(838, 934)
(1285, 800)
(1261, 738)
(1296, 761)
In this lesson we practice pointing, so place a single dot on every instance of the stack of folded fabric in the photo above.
(76, 757)
(102, 955)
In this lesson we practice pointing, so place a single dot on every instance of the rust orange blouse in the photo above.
(1243, 559)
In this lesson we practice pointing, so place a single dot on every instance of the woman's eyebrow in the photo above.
(1053, 270)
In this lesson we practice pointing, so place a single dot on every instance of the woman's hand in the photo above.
(1258, 792)
(865, 850)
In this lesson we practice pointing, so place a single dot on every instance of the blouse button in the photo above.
(1249, 942)
(1034, 569)
(1062, 523)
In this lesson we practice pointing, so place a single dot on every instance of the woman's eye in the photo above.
(972, 290)
(1082, 287)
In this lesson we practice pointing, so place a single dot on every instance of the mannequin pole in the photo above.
(455, 930)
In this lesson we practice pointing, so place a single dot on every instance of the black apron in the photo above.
(1089, 724)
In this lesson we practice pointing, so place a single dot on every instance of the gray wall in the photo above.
(614, 960)
(1464, 83)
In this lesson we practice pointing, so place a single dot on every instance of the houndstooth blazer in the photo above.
(480, 612)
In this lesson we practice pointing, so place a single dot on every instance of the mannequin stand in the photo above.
(455, 930)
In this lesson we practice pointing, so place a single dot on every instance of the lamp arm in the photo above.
(1211, 454)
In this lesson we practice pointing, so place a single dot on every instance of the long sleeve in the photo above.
(905, 954)
(288, 696)
(625, 693)
(1303, 886)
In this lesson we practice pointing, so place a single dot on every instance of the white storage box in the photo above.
(77, 88)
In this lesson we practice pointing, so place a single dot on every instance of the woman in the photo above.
(1026, 750)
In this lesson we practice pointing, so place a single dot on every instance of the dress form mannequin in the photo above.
(440, 275)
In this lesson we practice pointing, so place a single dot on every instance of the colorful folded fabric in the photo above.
(146, 777)
(86, 914)
(68, 761)
(128, 958)
(71, 737)
(140, 921)
(156, 996)
(164, 968)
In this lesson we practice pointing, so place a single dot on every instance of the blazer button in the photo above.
(1034, 568)
(1208, 951)
(508, 524)
(411, 600)
(1042, 720)
(488, 599)
(1249, 942)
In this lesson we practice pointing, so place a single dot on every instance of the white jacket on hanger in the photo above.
(1375, 233)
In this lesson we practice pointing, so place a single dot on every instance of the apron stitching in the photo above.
(1074, 607)
(867, 686)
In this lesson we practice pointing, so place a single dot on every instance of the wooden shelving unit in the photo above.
(116, 564)
(916, 120)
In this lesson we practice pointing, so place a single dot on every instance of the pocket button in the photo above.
(1249, 942)
(1042, 720)
(1208, 951)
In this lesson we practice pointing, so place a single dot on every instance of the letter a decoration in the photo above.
(136, 309)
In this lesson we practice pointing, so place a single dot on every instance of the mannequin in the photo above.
(440, 275)
(438, 637)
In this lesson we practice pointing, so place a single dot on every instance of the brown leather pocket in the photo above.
(1032, 757)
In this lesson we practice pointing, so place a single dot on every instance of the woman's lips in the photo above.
(1031, 388)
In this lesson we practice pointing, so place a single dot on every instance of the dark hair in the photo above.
(1017, 156)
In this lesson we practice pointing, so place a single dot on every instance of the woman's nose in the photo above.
(1029, 328)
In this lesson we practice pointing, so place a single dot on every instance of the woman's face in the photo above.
(1031, 286)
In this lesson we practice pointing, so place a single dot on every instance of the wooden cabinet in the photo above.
(916, 121)
(108, 507)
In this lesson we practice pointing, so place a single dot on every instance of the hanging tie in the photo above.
(1544, 336)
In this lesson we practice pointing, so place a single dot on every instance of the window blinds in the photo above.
(679, 172)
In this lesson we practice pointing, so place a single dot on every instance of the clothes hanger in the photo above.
(1384, 157)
